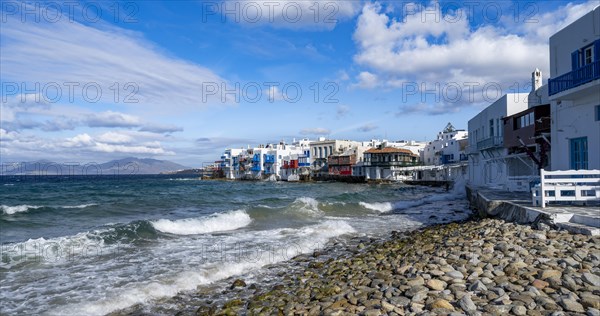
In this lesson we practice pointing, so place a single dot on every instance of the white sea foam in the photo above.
(9, 210)
(455, 194)
(306, 205)
(381, 207)
(54, 250)
(327, 229)
(296, 241)
(401, 205)
(79, 206)
(214, 223)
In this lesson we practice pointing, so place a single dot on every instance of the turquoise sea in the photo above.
(92, 245)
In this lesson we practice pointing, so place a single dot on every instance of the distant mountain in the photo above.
(132, 165)
(125, 166)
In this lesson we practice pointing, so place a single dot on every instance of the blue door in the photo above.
(579, 158)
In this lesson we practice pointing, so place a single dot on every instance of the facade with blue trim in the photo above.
(574, 93)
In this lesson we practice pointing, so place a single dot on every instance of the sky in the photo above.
(183, 80)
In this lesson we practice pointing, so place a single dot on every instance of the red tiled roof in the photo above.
(389, 150)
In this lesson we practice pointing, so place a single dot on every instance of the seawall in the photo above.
(517, 211)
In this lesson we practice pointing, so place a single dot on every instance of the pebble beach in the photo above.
(476, 267)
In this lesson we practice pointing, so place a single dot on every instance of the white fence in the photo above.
(521, 183)
(567, 186)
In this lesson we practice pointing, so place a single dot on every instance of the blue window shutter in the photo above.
(575, 60)
(597, 50)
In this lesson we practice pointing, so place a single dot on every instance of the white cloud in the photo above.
(65, 52)
(110, 145)
(366, 80)
(315, 131)
(546, 24)
(115, 137)
(12, 105)
(161, 129)
(81, 140)
(113, 142)
(417, 49)
(7, 136)
(342, 111)
(289, 14)
(112, 119)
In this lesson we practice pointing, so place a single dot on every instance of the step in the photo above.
(579, 228)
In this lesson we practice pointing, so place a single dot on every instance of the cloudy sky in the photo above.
(182, 80)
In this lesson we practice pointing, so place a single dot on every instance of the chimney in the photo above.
(536, 80)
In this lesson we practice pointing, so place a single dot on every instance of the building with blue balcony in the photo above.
(447, 148)
(230, 163)
(574, 93)
(256, 163)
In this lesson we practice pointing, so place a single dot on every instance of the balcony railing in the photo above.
(492, 142)
(269, 159)
(574, 78)
(255, 168)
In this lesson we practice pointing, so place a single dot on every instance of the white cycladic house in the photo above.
(486, 151)
(448, 147)
(323, 148)
(574, 93)
(229, 161)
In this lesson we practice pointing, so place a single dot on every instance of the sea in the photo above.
(93, 245)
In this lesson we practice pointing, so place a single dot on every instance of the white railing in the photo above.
(566, 186)
(521, 183)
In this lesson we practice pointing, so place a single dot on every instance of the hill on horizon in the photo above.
(123, 166)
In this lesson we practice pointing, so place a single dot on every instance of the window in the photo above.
(579, 153)
(597, 112)
(498, 127)
(587, 55)
(492, 128)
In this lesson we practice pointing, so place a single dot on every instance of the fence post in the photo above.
(542, 192)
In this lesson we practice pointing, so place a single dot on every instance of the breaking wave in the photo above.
(214, 223)
(9, 210)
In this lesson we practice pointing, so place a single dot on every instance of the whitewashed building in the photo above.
(486, 151)
(229, 161)
(574, 93)
(323, 148)
(388, 163)
(448, 147)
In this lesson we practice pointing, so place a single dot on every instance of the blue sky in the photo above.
(93, 81)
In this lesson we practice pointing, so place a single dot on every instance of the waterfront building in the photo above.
(486, 151)
(574, 93)
(323, 148)
(341, 165)
(527, 138)
(448, 147)
(385, 163)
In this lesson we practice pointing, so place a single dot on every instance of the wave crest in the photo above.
(9, 210)
(214, 223)
(381, 207)
(306, 205)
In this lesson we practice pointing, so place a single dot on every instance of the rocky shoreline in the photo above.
(477, 267)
